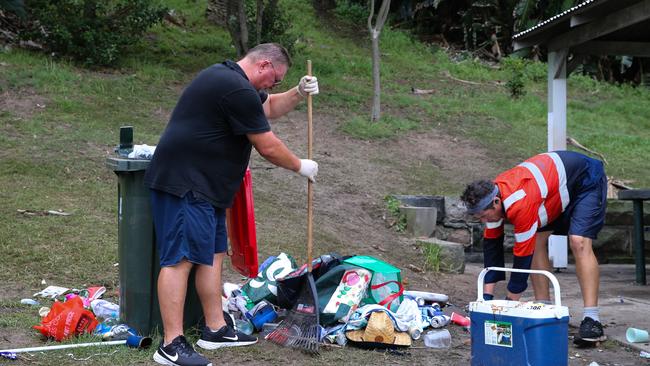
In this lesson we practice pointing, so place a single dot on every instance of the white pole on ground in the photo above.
(62, 346)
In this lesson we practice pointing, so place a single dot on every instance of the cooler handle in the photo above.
(556, 284)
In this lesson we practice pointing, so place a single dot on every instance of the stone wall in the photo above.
(614, 243)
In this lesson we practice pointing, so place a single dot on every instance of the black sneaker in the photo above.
(179, 353)
(591, 330)
(224, 337)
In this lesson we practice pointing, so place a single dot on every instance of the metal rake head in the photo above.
(303, 336)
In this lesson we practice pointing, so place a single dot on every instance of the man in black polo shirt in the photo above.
(198, 166)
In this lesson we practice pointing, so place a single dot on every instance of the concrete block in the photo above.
(423, 201)
(450, 255)
(461, 236)
(420, 221)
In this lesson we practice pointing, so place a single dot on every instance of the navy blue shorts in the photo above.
(585, 215)
(493, 257)
(187, 227)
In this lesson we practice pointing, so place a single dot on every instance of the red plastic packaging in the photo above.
(241, 229)
(67, 319)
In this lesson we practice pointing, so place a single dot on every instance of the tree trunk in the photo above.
(259, 17)
(217, 12)
(237, 26)
(375, 31)
(243, 27)
(376, 79)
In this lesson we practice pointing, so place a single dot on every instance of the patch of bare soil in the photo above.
(355, 176)
(22, 103)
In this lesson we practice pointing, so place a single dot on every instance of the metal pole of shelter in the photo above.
(639, 242)
(557, 100)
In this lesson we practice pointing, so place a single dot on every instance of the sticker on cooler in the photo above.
(498, 333)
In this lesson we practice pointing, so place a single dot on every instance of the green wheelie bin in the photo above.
(139, 263)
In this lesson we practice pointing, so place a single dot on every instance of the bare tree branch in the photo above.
(574, 142)
(371, 15)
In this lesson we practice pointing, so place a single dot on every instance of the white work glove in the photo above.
(308, 85)
(309, 169)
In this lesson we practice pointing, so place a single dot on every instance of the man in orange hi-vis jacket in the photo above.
(562, 193)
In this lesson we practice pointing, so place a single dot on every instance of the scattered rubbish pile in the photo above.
(74, 312)
(361, 302)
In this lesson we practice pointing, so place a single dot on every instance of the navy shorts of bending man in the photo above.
(198, 166)
(561, 193)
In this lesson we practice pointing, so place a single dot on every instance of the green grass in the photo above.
(432, 258)
(388, 126)
(392, 206)
(52, 157)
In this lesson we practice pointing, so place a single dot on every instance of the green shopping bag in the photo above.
(386, 287)
(264, 286)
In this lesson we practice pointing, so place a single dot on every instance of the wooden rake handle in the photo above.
(310, 188)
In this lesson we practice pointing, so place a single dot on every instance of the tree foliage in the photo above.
(94, 32)
(475, 24)
(269, 22)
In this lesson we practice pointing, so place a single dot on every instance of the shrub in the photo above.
(93, 32)
(515, 68)
(353, 11)
(392, 206)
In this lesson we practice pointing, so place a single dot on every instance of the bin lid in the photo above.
(118, 164)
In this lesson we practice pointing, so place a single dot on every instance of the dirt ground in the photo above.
(350, 218)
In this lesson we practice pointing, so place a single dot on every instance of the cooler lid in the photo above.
(527, 309)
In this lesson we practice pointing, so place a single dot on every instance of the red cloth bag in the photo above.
(241, 229)
(67, 319)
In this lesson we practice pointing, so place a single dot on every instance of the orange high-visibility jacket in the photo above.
(534, 193)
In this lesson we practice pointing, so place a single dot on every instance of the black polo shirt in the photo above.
(204, 148)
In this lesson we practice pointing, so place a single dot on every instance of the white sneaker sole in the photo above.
(599, 339)
(163, 361)
(216, 345)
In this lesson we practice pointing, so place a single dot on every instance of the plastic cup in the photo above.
(244, 326)
(635, 335)
(438, 339)
(463, 321)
